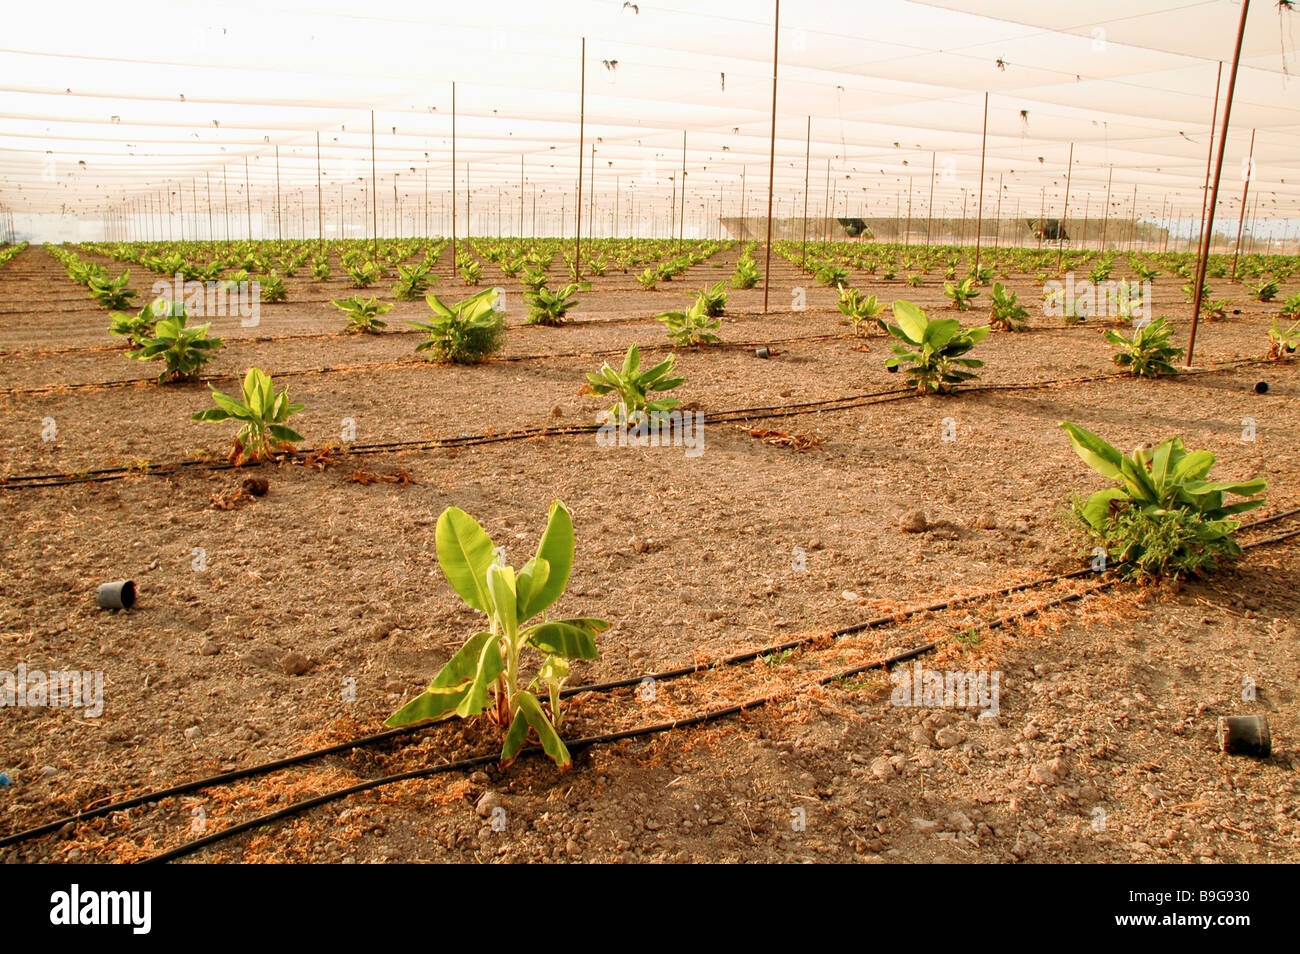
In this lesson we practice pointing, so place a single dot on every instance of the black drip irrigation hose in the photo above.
(848, 402)
(576, 745)
(712, 715)
(403, 361)
(877, 622)
(225, 778)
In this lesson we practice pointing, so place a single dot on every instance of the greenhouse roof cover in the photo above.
(101, 103)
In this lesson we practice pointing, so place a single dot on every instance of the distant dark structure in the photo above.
(1049, 230)
(856, 228)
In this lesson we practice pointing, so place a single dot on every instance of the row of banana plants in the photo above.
(9, 252)
(109, 291)
(889, 260)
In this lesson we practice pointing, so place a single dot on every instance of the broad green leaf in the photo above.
(282, 433)
(430, 704)
(563, 638)
(530, 580)
(1097, 510)
(1137, 480)
(465, 553)
(556, 548)
(1095, 452)
(531, 709)
(504, 599)
(1245, 488)
(516, 735)
(911, 320)
(939, 333)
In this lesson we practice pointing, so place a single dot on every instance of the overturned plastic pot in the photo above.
(762, 353)
(1245, 735)
(117, 595)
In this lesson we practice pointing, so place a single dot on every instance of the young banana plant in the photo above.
(932, 351)
(1149, 353)
(184, 350)
(691, 327)
(363, 315)
(262, 412)
(632, 386)
(1164, 515)
(486, 673)
(747, 274)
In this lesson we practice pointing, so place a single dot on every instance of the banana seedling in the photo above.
(933, 350)
(262, 413)
(363, 315)
(632, 386)
(184, 350)
(486, 674)
(1164, 516)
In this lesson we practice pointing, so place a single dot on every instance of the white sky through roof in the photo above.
(108, 107)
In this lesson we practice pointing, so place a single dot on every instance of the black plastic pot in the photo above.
(1245, 735)
(116, 596)
(1261, 387)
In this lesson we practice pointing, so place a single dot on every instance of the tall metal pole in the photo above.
(582, 122)
(1214, 191)
(681, 222)
(1065, 212)
(1105, 224)
(929, 207)
(374, 191)
(1245, 191)
(771, 162)
(1209, 160)
(279, 228)
(225, 195)
(453, 176)
(979, 215)
(521, 195)
(320, 203)
(807, 153)
(248, 201)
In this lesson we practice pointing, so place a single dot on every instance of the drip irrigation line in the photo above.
(591, 688)
(669, 675)
(711, 715)
(577, 745)
(404, 361)
(848, 402)
(1081, 326)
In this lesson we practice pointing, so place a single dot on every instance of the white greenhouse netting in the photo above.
(202, 120)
